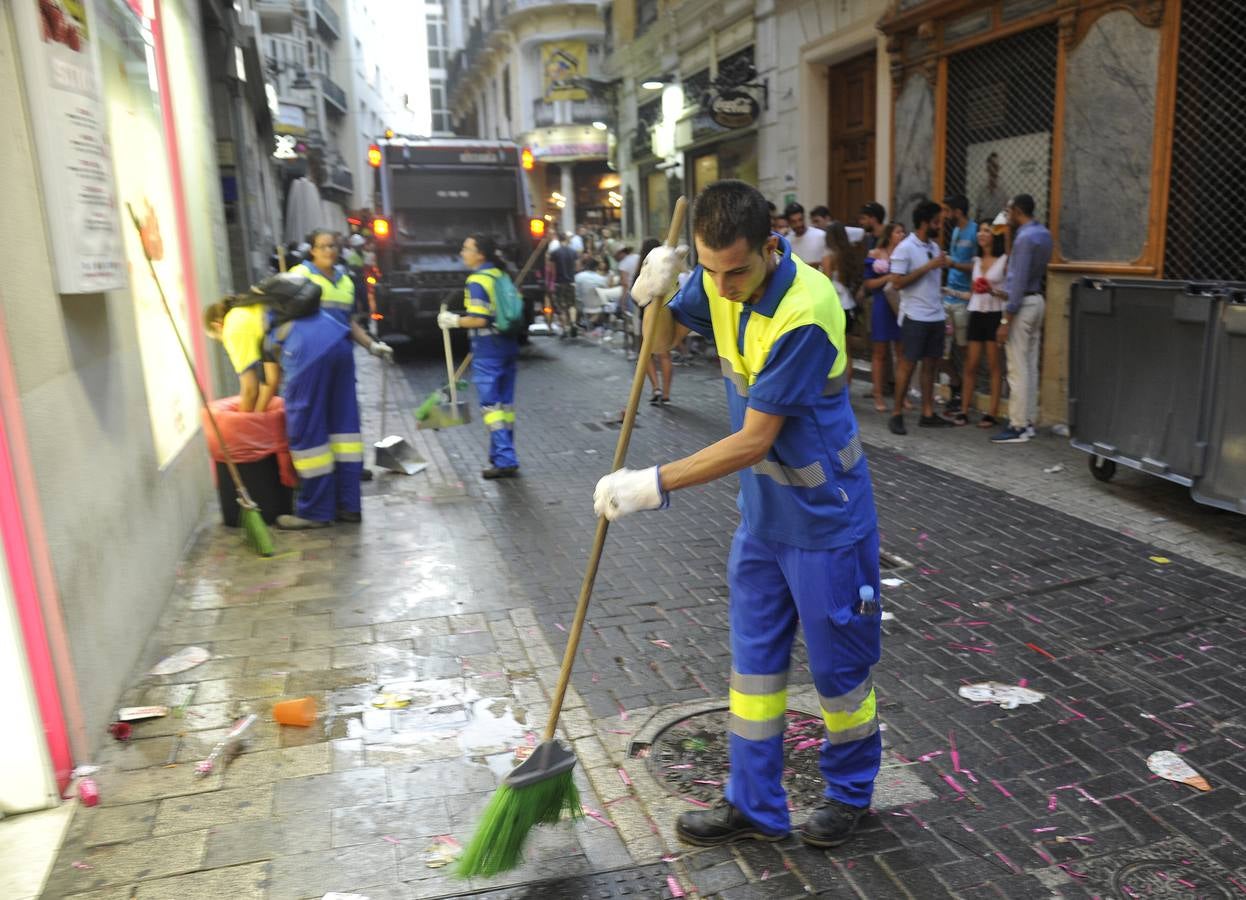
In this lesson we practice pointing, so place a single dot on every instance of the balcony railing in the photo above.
(276, 16)
(334, 94)
(327, 19)
(583, 112)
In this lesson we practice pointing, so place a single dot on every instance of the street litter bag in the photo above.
(252, 437)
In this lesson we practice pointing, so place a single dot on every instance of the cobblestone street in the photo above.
(1122, 603)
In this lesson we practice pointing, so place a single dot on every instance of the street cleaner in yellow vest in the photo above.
(494, 355)
(337, 295)
(806, 549)
(278, 325)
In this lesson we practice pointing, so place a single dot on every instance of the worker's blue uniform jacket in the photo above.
(785, 355)
(806, 549)
(337, 294)
(322, 414)
(494, 365)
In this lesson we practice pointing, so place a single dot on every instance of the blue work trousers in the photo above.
(322, 422)
(494, 377)
(773, 586)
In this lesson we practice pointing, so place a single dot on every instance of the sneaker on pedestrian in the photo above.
(1010, 435)
(720, 824)
(298, 523)
(896, 425)
(832, 824)
(1029, 430)
(933, 422)
(499, 472)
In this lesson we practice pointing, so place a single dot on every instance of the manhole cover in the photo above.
(689, 758)
(1161, 878)
(1175, 867)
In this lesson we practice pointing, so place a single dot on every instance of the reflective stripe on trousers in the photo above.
(313, 461)
(347, 447)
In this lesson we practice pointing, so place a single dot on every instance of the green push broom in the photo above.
(542, 788)
(255, 533)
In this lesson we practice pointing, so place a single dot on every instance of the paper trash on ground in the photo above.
(1008, 696)
(137, 713)
(892, 582)
(186, 658)
(1167, 764)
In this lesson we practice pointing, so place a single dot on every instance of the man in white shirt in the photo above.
(917, 266)
(591, 276)
(807, 243)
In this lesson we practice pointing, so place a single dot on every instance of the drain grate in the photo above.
(689, 758)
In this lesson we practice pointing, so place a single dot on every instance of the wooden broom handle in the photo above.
(620, 454)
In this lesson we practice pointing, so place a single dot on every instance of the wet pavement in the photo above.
(430, 637)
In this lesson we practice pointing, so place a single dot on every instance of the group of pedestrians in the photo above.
(991, 298)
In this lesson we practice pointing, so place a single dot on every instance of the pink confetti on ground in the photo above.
(594, 814)
(1188, 884)
(78, 864)
(926, 571)
(1022, 682)
(1082, 839)
(954, 784)
(1032, 618)
(971, 647)
(623, 776)
(805, 745)
(929, 756)
(955, 754)
(969, 775)
(390, 838)
(1041, 830)
(680, 766)
(695, 802)
(1051, 803)
(558, 625)
(765, 874)
(616, 731)
(1043, 856)
(1068, 870)
(673, 884)
(670, 858)
(711, 782)
(1089, 796)
(1185, 705)
(596, 678)
(622, 712)
(1006, 861)
(999, 787)
(664, 644)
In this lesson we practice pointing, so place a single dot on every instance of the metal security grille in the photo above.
(1000, 110)
(1209, 143)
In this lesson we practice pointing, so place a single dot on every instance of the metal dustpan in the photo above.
(393, 452)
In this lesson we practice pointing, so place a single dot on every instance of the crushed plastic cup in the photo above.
(300, 712)
(1008, 696)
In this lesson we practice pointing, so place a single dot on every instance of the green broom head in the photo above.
(254, 532)
(423, 411)
(539, 791)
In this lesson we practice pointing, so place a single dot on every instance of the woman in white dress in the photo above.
(986, 306)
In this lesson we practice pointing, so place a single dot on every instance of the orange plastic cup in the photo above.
(300, 712)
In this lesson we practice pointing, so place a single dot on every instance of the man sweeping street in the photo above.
(806, 548)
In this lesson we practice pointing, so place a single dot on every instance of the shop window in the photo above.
(1000, 114)
(1209, 147)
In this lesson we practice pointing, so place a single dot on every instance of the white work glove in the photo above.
(447, 320)
(382, 351)
(659, 276)
(628, 491)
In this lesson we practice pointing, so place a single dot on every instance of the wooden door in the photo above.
(851, 158)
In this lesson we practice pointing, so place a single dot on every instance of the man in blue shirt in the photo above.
(1021, 327)
(806, 548)
(961, 251)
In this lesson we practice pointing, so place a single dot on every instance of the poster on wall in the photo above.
(996, 171)
(140, 155)
(561, 63)
(60, 68)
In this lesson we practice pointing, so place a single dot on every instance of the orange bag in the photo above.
(251, 436)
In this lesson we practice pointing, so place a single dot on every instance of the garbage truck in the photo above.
(429, 194)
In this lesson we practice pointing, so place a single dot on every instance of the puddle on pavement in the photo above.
(444, 712)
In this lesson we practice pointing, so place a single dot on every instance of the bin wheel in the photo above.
(1102, 469)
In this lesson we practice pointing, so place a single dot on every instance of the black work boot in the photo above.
(499, 472)
(719, 825)
(832, 824)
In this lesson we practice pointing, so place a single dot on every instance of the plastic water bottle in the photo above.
(868, 605)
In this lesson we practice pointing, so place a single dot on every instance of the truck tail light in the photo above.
(527, 160)
(536, 227)
(374, 156)
(380, 228)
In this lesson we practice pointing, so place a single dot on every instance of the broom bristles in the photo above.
(254, 532)
(511, 814)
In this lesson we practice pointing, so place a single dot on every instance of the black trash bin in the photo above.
(263, 482)
(1140, 357)
(1223, 482)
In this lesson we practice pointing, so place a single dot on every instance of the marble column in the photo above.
(1109, 126)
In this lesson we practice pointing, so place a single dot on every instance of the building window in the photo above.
(1001, 100)
(437, 46)
(646, 15)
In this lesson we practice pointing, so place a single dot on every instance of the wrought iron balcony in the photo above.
(334, 95)
(327, 20)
